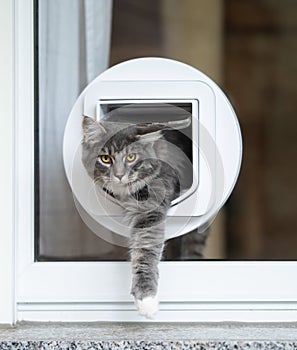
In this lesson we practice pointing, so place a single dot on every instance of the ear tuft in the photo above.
(91, 129)
(87, 123)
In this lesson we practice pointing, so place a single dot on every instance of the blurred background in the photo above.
(248, 47)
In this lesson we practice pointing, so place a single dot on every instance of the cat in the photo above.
(135, 165)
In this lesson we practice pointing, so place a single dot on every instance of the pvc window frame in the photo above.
(263, 291)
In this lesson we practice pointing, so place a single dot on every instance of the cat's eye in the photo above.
(131, 157)
(105, 159)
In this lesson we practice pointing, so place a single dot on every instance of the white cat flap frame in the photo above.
(216, 144)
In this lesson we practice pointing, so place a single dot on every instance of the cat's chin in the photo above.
(120, 189)
(148, 306)
(125, 189)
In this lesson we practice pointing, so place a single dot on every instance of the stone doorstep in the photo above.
(161, 336)
(146, 345)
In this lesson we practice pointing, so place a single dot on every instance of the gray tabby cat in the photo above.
(135, 165)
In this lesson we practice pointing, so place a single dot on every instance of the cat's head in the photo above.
(122, 158)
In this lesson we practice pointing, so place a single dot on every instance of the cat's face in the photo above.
(123, 158)
(117, 157)
(124, 167)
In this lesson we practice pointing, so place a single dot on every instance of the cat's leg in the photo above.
(145, 279)
(147, 241)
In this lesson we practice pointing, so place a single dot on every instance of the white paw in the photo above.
(148, 306)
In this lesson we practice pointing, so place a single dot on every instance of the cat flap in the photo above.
(169, 119)
(214, 136)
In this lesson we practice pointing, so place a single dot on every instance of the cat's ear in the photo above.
(178, 124)
(150, 137)
(151, 132)
(92, 129)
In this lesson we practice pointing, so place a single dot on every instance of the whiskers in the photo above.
(104, 184)
(137, 190)
(116, 189)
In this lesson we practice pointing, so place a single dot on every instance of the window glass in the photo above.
(248, 47)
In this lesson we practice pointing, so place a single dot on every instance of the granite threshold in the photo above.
(134, 336)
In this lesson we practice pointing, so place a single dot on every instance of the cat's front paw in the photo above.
(148, 306)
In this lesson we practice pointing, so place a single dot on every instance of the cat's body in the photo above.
(140, 169)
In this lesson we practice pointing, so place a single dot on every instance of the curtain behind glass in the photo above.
(73, 48)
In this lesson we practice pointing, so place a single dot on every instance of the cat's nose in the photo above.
(119, 176)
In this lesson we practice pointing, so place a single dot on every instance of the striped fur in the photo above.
(146, 187)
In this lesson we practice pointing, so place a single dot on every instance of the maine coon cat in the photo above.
(135, 164)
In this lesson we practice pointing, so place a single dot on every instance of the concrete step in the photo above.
(160, 336)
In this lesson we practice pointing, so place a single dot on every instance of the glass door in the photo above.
(65, 270)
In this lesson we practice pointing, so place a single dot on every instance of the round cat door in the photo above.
(159, 90)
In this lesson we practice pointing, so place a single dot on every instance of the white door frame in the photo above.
(7, 221)
(89, 291)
